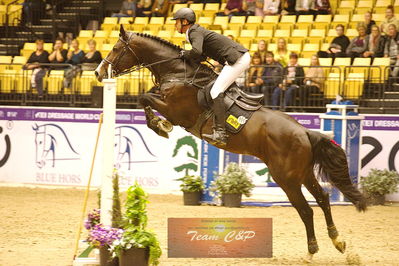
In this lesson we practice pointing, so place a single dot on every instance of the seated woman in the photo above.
(74, 57)
(314, 81)
(254, 79)
(249, 7)
(262, 51)
(322, 7)
(160, 8)
(92, 58)
(233, 8)
(40, 56)
(59, 54)
(375, 44)
(358, 44)
(271, 7)
(282, 54)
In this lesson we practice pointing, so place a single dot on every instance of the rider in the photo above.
(206, 43)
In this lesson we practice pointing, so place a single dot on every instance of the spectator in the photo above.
(338, 45)
(322, 7)
(288, 7)
(143, 8)
(271, 7)
(314, 80)
(358, 45)
(376, 43)
(40, 56)
(368, 21)
(233, 8)
(282, 55)
(249, 7)
(294, 75)
(271, 77)
(74, 57)
(160, 8)
(389, 20)
(259, 8)
(392, 48)
(92, 58)
(262, 51)
(254, 80)
(128, 9)
(59, 54)
(304, 7)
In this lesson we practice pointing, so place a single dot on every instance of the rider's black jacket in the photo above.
(211, 44)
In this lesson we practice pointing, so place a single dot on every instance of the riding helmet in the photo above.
(185, 13)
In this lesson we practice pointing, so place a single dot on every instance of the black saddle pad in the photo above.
(239, 106)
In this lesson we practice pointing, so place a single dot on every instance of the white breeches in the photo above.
(229, 74)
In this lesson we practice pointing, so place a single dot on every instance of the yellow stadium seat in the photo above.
(353, 85)
(290, 19)
(360, 65)
(294, 47)
(113, 37)
(310, 49)
(305, 19)
(3, 11)
(332, 85)
(351, 33)
(342, 62)
(122, 85)
(332, 33)
(210, 9)
(151, 32)
(100, 36)
(178, 38)
(84, 36)
(346, 7)
(272, 47)
(169, 24)
(18, 62)
(381, 5)
(271, 19)
(165, 34)
(264, 35)
(7, 80)
(222, 21)
(379, 17)
(304, 61)
(14, 12)
(48, 46)
(298, 35)
(246, 37)
(322, 21)
(206, 21)
(105, 49)
(363, 6)
(155, 23)
(380, 69)
(253, 47)
(234, 33)
(176, 7)
(54, 81)
(87, 81)
(139, 24)
(253, 22)
(339, 19)
(325, 61)
(110, 23)
(282, 33)
(237, 22)
(126, 21)
(197, 8)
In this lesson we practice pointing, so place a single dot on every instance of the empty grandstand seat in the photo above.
(351, 33)
(379, 71)
(234, 33)
(346, 7)
(322, 21)
(294, 47)
(332, 85)
(54, 81)
(310, 49)
(381, 5)
(169, 24)
(210, 9)
(105, 49)
(197, 8)
(237, 22)
(178, 38)
(353, 85)
(155, 23)
(264, 35)
(340, 19)
(298, 35)
(7, 80)
(304, 61)
(253, 22)
(206, 21)
(5, 61)
(363, 6)
(110, 23)
(84, 36)
(87, 81)
(246, 37)
(316, 35)
(113, 37)
(18, 62)
(222, 21)
(165, 34)
(139, 24)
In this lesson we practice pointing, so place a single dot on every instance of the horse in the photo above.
(291, 152)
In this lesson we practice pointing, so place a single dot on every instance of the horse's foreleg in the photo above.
(159, 125)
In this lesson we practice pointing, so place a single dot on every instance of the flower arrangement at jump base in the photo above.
(231, 184)
(137, 246)
(379, 183)
(192, 187)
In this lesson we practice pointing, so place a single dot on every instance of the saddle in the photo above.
(239, 105)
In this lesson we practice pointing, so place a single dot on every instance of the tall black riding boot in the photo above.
(219, 135)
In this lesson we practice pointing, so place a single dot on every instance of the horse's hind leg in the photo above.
(323, 200)
(306, 213)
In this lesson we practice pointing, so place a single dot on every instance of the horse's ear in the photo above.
(35, 127)
(122, 33)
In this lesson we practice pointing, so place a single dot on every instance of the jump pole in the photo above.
(109, 111)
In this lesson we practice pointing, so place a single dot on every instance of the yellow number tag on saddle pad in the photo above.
(233, 121)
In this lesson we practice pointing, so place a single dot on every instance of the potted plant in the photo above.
(192, 187)
(379, 183)
(137, 246)
(231, 184)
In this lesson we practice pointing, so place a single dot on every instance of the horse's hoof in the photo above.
(313, 247)
(339, 244)
(308, 258)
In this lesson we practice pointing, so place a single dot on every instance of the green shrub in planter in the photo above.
(192, 187)
(234, 180)
(379, 183)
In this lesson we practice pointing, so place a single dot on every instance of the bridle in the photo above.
(126, 48)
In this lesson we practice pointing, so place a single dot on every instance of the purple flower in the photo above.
(104, 235)
(93, 218)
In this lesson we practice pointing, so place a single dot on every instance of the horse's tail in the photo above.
(333, 166)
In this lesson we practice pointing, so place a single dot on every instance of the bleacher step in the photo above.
(392, 95)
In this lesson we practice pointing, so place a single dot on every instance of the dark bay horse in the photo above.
(290, 151)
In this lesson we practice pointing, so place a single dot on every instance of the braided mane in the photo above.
(203, 67)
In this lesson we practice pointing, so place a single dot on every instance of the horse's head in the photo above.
(40, 145)
(121, 58)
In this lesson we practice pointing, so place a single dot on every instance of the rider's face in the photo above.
(178, 25)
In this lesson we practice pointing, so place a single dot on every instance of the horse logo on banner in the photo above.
(52, 144)
(127, 140)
